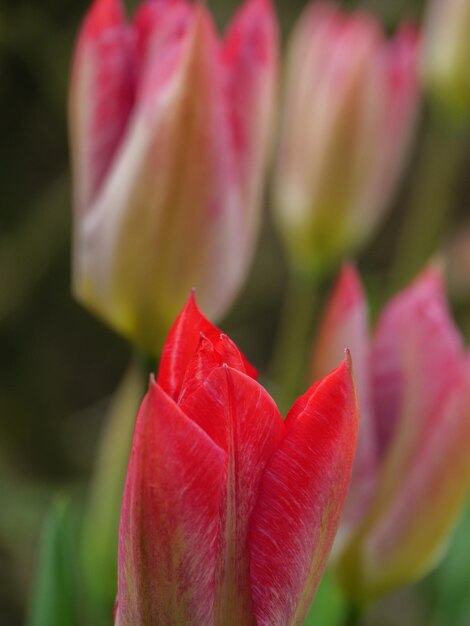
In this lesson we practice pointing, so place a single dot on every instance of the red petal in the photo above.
(182, 344)
(169, 519)
(345, 325)
(240, 417)
(302, 492)
(102, 92)
(207, 357)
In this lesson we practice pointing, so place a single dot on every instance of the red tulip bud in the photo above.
(229, 512)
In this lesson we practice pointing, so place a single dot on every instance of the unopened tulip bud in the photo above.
(349, 113)
(445, 59)
(170, 131)
(411, 476)
(229, 512)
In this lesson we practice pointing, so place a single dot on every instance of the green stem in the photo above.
(431, 201)
(101, 518)
(353, 616)
(289, 360)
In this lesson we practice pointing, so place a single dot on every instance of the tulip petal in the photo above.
(345, 325)
(302, 492)
(406, 361)
(241, 418)
(330, 83)
(407, 539)
(418, 374)
(182, 344)
(424, 428)
(159, 25)
(249, 54)
(177, 205)
(177, 140)
(169, 519)
(102, 94)
(397, 100)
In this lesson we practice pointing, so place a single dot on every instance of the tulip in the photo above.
(170, 130)
(445, 55)
(351, 100)
(229, 512)
(411, 476)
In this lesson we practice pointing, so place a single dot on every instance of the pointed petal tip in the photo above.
(253, 28)
(191, 308)
(348, 288)
(431, 278)
(103, 14)
(191, 300)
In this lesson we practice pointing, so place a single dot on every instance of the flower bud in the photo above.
(229, 512)
(349, 113)
(170, 131)
(411, 476)
(445, 55)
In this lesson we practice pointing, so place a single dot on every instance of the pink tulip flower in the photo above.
(170, 130)
(411, 476)
(350, 106)
(229, 512)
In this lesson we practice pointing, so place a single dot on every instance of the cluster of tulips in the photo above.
(230, 511)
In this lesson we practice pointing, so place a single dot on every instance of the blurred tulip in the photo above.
(457, 261)
(229, 512)
(351, 100)
(412, 471)
(445, 61)
(170, 133)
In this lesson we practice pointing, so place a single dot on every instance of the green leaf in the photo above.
(329, 607)
(101, 522)
(53, 594)
(451, 580)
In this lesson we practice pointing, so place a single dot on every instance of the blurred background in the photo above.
(59, 365)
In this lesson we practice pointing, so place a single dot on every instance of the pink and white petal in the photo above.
(158, 25)
(102, 93)
(416, 358)
(399, 106)
(318, 173)
(172, 206)
(410, 534)
(302, 492)
(345, 325)
(250, 65)
(169, 519)
(400, 63)
(417, 368)
(241, 418)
